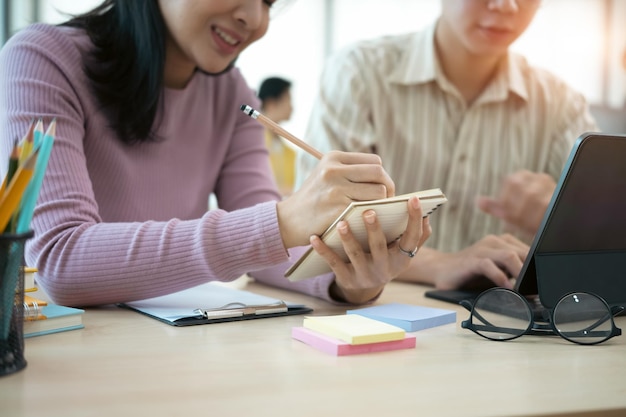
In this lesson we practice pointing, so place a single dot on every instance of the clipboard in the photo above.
(213, 303)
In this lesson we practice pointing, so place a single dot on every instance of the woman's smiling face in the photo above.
(209, 34)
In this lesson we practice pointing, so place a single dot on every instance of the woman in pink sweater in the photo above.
(146, 99)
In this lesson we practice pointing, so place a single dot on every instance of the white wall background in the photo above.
(582, 41)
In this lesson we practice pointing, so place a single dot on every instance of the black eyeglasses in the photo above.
(579, 317)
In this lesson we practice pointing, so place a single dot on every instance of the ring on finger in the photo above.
(410, 254)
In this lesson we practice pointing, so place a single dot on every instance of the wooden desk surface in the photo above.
(127, 364)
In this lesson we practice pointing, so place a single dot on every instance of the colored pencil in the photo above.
(13, 164)
(27, 144)
(32, 192)
(12, 196)
(38, 133)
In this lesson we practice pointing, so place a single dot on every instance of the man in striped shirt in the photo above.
(452, 107)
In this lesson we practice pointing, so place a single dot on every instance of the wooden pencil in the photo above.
(276, 128)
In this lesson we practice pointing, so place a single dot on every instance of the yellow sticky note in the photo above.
(354, 329)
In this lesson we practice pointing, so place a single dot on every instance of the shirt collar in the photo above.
(420, 65)
(516, 83)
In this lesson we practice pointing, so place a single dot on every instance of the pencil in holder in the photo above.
(12, 302)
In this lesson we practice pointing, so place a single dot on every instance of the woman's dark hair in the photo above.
(272, 88)
(127, 64)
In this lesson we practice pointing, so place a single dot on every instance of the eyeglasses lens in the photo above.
(501, 314)
(583, 318)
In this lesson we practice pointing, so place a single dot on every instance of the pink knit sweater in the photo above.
(116, 223)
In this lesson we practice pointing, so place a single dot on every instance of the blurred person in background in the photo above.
(275, 96)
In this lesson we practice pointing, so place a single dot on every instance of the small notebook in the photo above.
(57, 319)
(411, 318)
(29, 279)
(354, 329)
(213, 303)
(340, 348)
(392, 215)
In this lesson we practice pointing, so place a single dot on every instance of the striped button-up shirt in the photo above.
(390, 96)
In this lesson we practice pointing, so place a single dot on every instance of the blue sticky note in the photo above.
(411, 318)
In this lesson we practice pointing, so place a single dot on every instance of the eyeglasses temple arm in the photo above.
(467, 304)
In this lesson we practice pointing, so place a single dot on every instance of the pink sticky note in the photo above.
(340, 348)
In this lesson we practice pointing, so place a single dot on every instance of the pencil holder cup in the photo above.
(12, 302)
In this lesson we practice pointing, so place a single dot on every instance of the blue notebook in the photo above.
(411, 318)
(58, 319)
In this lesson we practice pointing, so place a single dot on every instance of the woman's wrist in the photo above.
(424, 267)
(286, 230)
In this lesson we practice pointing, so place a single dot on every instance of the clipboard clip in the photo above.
(240, 309)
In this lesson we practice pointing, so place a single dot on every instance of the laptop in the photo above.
(581, 242)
